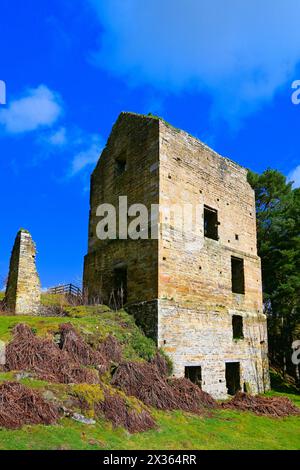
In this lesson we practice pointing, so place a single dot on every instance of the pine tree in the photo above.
(278, 225)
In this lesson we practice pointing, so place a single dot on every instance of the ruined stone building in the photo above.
(202, 303)
(23, 290)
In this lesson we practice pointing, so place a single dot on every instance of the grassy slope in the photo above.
(176, 430)
(99, 321)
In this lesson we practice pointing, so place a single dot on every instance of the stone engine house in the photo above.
(203, 305)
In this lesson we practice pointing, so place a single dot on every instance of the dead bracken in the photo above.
(102, 400)
(116, 409)
(160, 362)
(111, 349)
(124, 399)
(79, 351)
(144, 381)
(63, 363)
(27, 352)
(19, 405)
(191, 397)
(277, 407)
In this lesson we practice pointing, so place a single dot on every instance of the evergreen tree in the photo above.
(278, 225)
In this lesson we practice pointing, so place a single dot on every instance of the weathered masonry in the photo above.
(201, 302)
(23, 290)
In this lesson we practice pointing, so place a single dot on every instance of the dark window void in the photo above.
(120, 285)
(237, 275)
(233, 380)
(120, 164)
(210, 223)
(237, 327)
(194, 374)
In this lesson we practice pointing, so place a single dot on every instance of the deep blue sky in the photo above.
(223, 73)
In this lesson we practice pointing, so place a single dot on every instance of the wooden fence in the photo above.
(66, 289)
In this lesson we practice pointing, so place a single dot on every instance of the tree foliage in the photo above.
(278, 224)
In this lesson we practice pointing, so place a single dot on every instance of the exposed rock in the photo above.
(22, 375)
(2, 353)
(82, 419)
(49, 396)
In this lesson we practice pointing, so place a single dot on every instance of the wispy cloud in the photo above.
(240, 52)
(36, 108)
(79, 149)
(58, 137)
(39, 109)
(294, 176)
(54, 139)
(87, 156)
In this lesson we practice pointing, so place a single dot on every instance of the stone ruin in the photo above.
(199, 296)
(23, 290)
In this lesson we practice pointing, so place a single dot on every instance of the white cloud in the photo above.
(294, 176)
(88, 156)
(240, 52)
(58, 138)
(77, 148)
(38, 107)
(53, 139)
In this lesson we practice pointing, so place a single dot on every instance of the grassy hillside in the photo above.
(223, 429)
(98, 321)
(176, 430)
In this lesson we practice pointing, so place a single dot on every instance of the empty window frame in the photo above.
(233, 379)
(237, 327)
(211, 223)
(237, 275)
(121, 164)
(194, 373)
(120, 285)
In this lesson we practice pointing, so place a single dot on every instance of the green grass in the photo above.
(176, 430)
(223, 429)
(50, 300)
(100, 322)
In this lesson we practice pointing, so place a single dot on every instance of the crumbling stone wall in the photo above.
(195, 285)
(137, 139)
(23, 290)
(181, 295)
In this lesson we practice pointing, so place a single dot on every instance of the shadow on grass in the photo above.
(279, 384)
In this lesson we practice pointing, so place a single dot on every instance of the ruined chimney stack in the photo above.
(23, 290)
